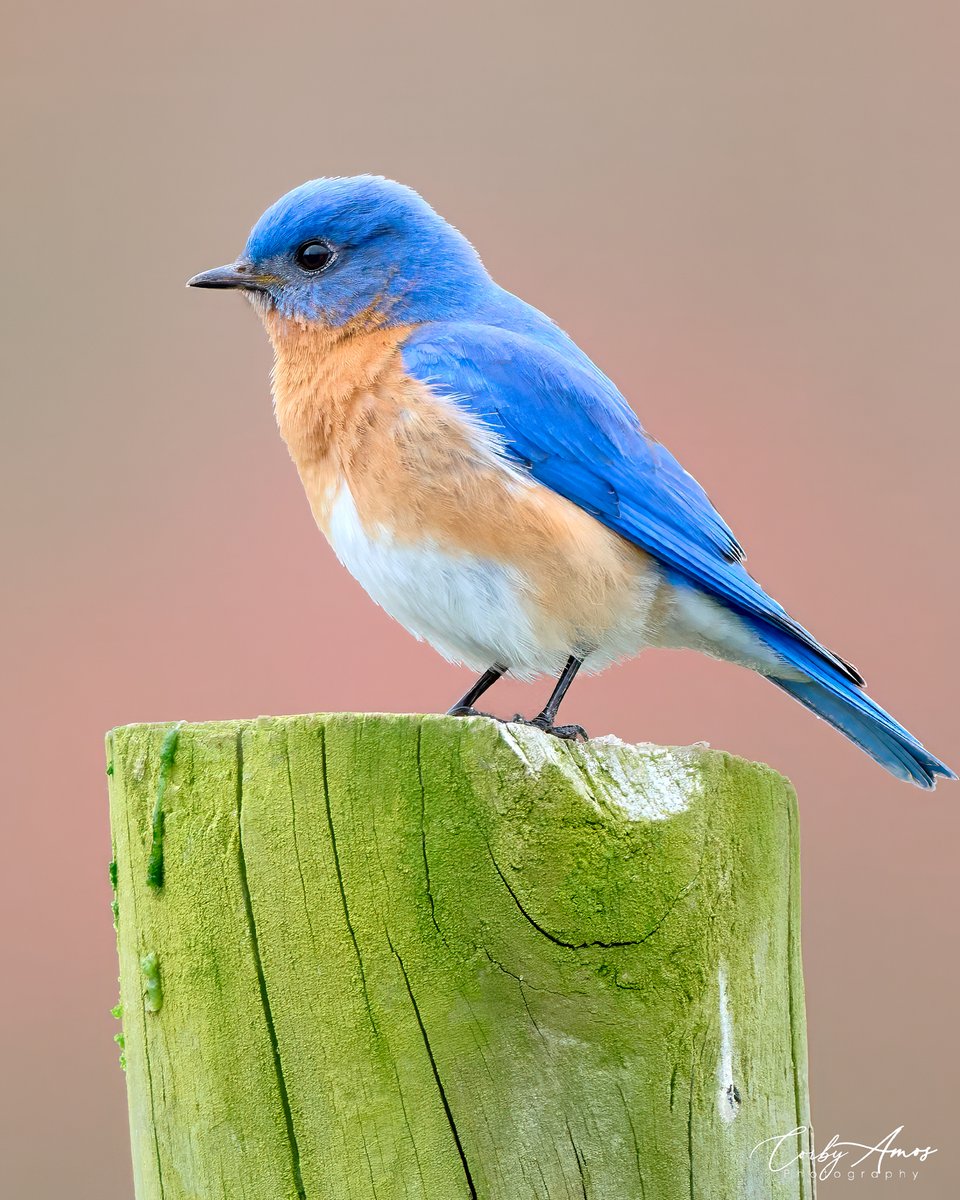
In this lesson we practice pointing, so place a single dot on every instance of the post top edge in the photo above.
(603, 746)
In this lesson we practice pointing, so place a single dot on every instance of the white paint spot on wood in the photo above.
(644, 783)
(728, 1097)
(528, 744)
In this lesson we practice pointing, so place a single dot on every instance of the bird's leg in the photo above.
(464, 707)
(545, 720)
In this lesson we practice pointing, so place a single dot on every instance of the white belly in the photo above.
(468, 608)
(479, 612)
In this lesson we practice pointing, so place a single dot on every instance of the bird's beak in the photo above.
(234, 275)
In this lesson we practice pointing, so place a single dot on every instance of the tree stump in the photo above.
(423, 957)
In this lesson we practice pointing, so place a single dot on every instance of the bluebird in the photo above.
(487, 484)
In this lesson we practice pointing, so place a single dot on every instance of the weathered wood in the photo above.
(386, 956)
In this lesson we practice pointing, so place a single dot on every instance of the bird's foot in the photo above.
(568, 733)
(467, 710)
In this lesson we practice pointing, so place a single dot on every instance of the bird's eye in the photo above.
(314, 256)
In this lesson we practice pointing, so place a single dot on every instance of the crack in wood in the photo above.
(339, 873)
(598, 945)
(436, 1076)
(262, 983)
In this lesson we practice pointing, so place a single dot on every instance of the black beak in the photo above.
(234, 275)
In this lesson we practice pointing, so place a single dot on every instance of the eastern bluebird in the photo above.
(487, 484)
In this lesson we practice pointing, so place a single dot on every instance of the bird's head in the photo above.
(337, 250)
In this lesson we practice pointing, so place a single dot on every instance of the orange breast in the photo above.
(418, 470)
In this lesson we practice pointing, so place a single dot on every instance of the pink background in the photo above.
(747, 213)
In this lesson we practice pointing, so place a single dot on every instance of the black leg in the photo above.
(545, 720)
(464, 707)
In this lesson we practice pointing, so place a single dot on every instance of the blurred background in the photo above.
(746, 213)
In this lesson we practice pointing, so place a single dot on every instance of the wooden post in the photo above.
(423, 957)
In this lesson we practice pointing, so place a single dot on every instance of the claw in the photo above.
(568, 733)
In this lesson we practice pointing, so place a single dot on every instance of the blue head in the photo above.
(336, 249)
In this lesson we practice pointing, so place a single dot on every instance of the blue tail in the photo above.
(837, 699)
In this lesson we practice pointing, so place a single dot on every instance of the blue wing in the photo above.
(561, 419)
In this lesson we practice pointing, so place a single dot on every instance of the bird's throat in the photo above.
(322, 373)
(329, 385)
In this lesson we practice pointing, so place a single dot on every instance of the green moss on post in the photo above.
(406, 957)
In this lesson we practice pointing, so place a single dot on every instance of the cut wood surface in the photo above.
(423, 957)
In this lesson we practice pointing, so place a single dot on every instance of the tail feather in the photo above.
(836, 699)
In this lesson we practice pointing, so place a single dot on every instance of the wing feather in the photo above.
(562, 420)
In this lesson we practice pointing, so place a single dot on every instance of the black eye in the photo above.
(314, 256)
